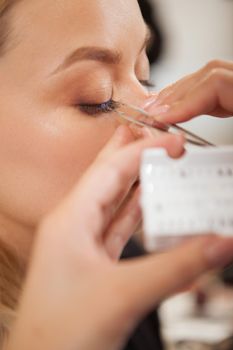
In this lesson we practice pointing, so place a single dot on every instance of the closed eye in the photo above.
(96, 109)
(108, 106)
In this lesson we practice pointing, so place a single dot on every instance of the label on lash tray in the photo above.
(187, 196)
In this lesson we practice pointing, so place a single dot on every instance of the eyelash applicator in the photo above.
(138, 116)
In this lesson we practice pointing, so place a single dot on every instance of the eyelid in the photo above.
(104, 95)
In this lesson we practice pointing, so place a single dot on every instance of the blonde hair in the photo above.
(11, 279)
(5, 6)
(11, 268)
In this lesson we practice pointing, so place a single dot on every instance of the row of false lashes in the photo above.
(220, 222)
(181, 172)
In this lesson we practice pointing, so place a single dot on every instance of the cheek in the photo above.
(76, 147)
(41, 159)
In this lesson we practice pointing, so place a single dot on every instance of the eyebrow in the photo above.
(99, 54)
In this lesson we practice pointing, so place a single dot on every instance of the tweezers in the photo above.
(138, 116)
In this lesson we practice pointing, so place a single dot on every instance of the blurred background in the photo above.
(189, 34)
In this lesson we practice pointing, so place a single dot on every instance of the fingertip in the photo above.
(172, 143)
(176, 147)
(122, 130)
(180, 139)
(179, 112)
(147, 133)
(219, 252)
(121, 137)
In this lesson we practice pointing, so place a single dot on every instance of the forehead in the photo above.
(80, 20)
(47, 30)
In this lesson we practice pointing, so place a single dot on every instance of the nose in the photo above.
(134, 93)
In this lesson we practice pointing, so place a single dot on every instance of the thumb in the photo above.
(147, 281)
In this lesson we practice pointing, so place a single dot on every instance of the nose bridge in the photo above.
(133, 92)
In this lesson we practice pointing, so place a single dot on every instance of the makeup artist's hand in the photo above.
(207, 91)
(76, 295)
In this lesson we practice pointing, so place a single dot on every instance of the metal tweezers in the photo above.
(138, 116)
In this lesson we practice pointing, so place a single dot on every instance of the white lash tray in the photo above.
(187, 196)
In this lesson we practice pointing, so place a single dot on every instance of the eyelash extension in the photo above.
(109, 106)
(95, 109)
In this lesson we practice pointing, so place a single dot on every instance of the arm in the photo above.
(76, 296)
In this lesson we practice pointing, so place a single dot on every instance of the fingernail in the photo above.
(136, 130)
(119, 130)
(120, 133)
(158, 110)
(152, 100)
(219, 252)
(146, 132)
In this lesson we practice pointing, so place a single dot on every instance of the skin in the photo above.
(46, 143)
(207, 91)
(73, 273)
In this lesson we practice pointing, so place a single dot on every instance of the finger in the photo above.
(121, 137)
(116, 174)
(123, 226)
(147, 281)
(172, 94)
(180, 88)
(212, 94)
(118, 171)
(124, 135)
(176, 90)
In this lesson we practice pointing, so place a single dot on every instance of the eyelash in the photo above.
(96, 109)
(106, 107)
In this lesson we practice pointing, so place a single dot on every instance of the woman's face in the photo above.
(63, 56)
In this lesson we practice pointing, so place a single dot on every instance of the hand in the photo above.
(207, 91)
(76, 295)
